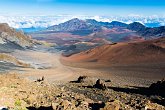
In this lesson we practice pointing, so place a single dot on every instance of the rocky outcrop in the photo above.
(100, 85)
(12, 59)
(8, 34)
(81, 79)
(111, 106)
(158, 88)
(15, 94)
(160, 85)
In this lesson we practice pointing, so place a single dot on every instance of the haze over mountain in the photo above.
(44, 21)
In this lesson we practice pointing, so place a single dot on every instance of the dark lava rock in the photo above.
(158, 87)
(108, 80)
(40, 80)
(100, 85)
(81, 79)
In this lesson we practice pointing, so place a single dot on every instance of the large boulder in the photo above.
(111, 106)
(158, 87)
(81, 79)
(100, 84)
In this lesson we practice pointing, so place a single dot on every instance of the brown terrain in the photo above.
(56, 87)
(10, 34)
(152, 51)
(137, 63)
(9, 58)
(119, 76)
(23, 94)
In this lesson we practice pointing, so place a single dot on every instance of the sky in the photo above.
(83, 7)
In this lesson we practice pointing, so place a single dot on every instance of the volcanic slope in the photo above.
(144, 52)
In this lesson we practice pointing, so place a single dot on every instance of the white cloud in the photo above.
(45, 21)
(162, 24)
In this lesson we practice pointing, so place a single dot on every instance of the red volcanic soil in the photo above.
(141, 52)
(100, 40)
(131, 38)
(115, 30)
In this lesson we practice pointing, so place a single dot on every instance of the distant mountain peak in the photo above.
(76, 24)
(146, 31)
(76, 20)
(137, 23)
(88, 26)
(136, 26)
(119, 24)
(71, 25)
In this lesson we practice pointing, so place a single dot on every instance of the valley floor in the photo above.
(122, 89)
(49, 65)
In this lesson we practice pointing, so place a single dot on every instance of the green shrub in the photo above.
(17, 103)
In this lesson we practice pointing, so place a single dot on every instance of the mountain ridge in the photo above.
(11, 39)
(8, 34)
(92, 25)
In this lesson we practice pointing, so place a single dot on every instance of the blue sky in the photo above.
(88, 7)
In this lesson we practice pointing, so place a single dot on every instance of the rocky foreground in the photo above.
(86, 93)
